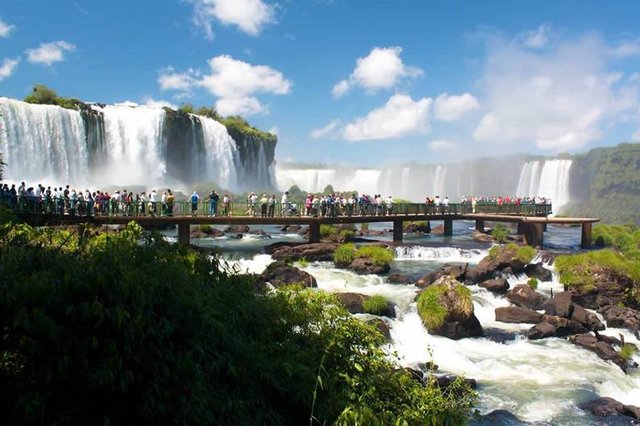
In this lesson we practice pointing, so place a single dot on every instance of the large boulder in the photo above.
(605, 407)
(536, 270)
(497, 286)
(279, 274)
(517, 314)
(237, 229)
(310, 252)
(475, 275)
(418, 227)
(621, 317)
(456, 271)
(562, 305)
(399, 279)
(502, 258)
(353, 302)
(607, 287)
(525, 296)
(552, 326)
(364, 265)
(601, 346)
(206, 232)
(481, 237)
(446, 309)
(382, 327)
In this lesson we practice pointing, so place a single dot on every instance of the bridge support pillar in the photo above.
(314, 232)
(520, 229)
(448, 227)
(184, 234)
(397, 230)
(586, 235)
(480, 225)
(534, 234)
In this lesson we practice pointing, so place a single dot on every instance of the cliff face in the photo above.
(256, 157)
(605, 182)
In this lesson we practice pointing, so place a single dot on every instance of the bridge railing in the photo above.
(204, 208)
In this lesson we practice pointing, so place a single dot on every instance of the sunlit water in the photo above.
(538, 381)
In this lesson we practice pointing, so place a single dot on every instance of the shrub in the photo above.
(500, 233)
(206, 228)
(376, 305)
(533, 283)
(327, 231)
(347, 234)
(431, 310)
(303, 262)
(627, 351)
(380, 256)
(625, 238)
(525, 254)
(344, 254)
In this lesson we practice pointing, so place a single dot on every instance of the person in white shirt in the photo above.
(389, 205)
(153, 199)
(284, 203)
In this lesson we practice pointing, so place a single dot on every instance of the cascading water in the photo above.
(220, 154)
(550, 181)
(42, 143)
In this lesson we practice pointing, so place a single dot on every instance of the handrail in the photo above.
(68, 207)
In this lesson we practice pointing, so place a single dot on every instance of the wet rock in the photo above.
(588, 319)
(562, 305)
(311, 252)
(498, 417)
(504, 258)
(517, 315)
(604, 349)
(420, 228)
(604, 407)
(279, 274)
(536, 270)
(237, 229)
(353, 302)
(525, 296)
(499, 336)
(211, 232)
(456, 271)
(438, 230)
(621, 317)
(497, 286)
(445, 382)
(475, 275)
(552, 326)
(382, 326)
(399, 279)
(481, 237)
(258, 232)
(415, 374)
(291, 228)
(364, 265)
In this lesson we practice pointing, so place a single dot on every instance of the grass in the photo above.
(380, 256)
(431, 310)
(500, 233)
(344, 254)
(524, 254)
(207, 229)
(376, 305)
(533, 283)
(627, 351)
(303, 263)
(327, 231)
(625, 238)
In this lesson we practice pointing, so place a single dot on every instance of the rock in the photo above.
(517, 314)
(588, 319)
(561, 305)
(481, 237)
(258, 232)
(498, 417)
(552, 326)
(291, 228)
(415, 374)
(382, 326)
(456, 271)
(279, 274)
(399, 279)
(504, 258)
(459, 319)
(206, 232)
(420, 228)
(536, 270)
(444, 382)
(621, 317)
(609, 287)
(311, 252)
(604, 407)
(600, 347)
(237, 229)
(498, 286)
(499, 336)
(475, 275)
(236, 237)
(364, 265)
(438, 230)
(353, 302)
(525, 296)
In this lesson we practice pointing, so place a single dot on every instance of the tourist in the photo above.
(264, 201)
(284, 204)
(271, 205)
(153, 200)
(211, 204)
(226, 205)
(170, 201)
(216, 199)
(194, 203)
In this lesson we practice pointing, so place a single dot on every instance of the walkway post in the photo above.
(480, 225)
(397, 230)
(184, 231)
(448, 227)
(314, 232)
(520, 228)
(534, 234)
(586, 235)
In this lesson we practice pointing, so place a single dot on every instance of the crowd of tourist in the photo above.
(69, 201)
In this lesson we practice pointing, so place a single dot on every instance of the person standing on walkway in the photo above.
(194, 203)
(170, 201)
(284, 204)
(211, 204)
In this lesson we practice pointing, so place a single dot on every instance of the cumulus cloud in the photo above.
(560, 99)
(8, 67)
(249, 16)
(48, 53)
(235, 83)
(5, 29)
(451, 107)
(158, 104)
(626, 49)
(328, 131)
(537, 38)
(381, 69)
(400, 116)
(441, 146)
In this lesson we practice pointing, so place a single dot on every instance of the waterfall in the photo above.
(551, 181)
(439, 180)
(42, 143)
(221, 154)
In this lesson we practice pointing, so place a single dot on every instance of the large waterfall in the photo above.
(486, 177)
(124, 145)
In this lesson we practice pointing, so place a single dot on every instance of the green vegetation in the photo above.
(625, 238)
(43, 95)
(627, 351)
(344, 254)
(605, 183)
(238, 124)
(419, 224)
(431, 310)
(303, 262)
(120, 329)
(375, 305)
(533, 283)
(206, 228)
(500, 233)
(524, 254)
(380, 256)
(327, 230)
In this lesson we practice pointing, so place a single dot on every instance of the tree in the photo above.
(43, 95)
(186, 109)
(328, 190)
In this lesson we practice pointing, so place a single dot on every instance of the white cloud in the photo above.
(626, 49)
(558, 100)
(400, 116)
(328, 131)
(5, 29)
(235, 83)
(451, 107)
(538, 38)
(48, 53)
(249, 16)
(158, 104)
(274, 130)
(381, 69)
(8, 67)
(441, 146)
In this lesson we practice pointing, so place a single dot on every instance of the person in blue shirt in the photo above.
(194, 203)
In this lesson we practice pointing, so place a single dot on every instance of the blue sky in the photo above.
(349, 81)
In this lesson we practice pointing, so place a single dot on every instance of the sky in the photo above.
(354, 82)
